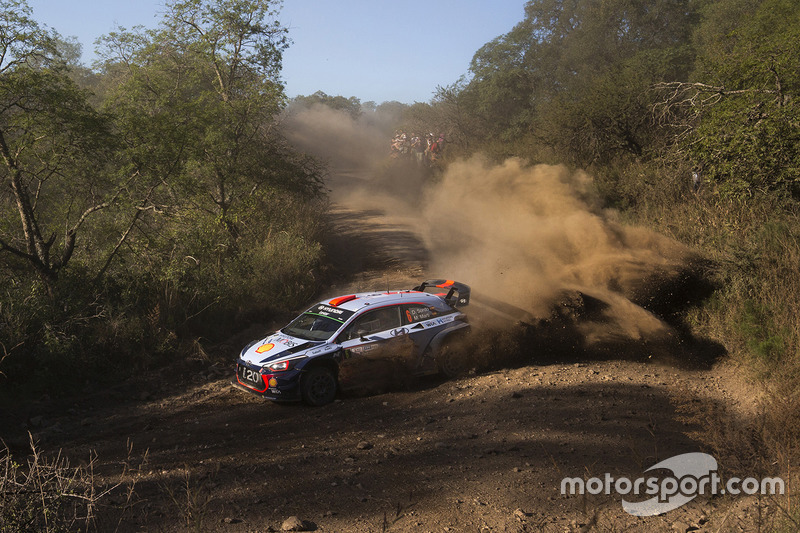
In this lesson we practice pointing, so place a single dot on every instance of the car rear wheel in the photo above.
(318, 386)
(451, 361)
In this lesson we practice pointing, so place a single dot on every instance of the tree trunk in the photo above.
(37, 248)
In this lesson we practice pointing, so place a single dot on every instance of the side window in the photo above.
(417, 312)
(373, 322)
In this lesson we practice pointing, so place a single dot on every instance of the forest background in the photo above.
(151, 204)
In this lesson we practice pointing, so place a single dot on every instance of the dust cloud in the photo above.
(353, 147)
(531, 240)
(532, 236)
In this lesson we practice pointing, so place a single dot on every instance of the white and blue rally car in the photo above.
(303, 360)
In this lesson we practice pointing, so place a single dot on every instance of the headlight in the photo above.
(279, 367)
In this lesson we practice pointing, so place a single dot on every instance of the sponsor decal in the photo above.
(286, 341)
(335, 313)
(273, 382)
(438, 321)
(324, 349)
(324, 309)
(265, 347)
(363, 348)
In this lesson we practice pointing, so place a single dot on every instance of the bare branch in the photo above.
(139, 210)
(4, 246)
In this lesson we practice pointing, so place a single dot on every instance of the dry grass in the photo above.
(47, 494)
(753, 246)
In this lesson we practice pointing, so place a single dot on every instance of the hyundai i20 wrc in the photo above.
(306, 359)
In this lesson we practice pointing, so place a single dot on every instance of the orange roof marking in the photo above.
(342, 299)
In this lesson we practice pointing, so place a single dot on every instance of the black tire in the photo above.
(318, 386)
(451, 361)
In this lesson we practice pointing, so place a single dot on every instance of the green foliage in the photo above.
(241, 37)
(52, 145)
(757, 329)
(753, 247)
(186, 212)
(351, 105)
(209, 287)
(576, 77)
(446, 115)
(609, 115)
(22, 40)
(750, 149)
(645, 93)
(501, 89)
(392, 108)
(748, 141)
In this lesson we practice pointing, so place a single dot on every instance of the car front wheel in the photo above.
(318, 386)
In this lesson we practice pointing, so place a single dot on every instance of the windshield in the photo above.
(318, 323)
(312, 327)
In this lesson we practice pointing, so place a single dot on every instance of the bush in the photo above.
(188, 277)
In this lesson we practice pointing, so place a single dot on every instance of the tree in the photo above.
(233, 47)
(351, 105)
(737, 117)
(576, 75)
(449, 114)
(196, 103)
(176, 204)
(206, 90)
(51, 141)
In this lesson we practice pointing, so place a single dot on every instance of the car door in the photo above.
(414, 317)
(375, 349)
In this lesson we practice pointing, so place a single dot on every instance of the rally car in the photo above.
(416, 330)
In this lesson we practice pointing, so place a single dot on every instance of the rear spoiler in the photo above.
(457, 293)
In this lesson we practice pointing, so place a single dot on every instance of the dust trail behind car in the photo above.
(531, 236)
(534, 241)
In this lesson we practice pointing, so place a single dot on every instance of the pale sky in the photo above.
(371, 49)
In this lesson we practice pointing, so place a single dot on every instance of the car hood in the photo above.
(274, 348)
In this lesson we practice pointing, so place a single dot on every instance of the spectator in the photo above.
(696, 180)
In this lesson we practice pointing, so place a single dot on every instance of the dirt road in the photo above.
(486, 452)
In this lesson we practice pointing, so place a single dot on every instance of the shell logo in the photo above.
(273, 382)
(265, 347)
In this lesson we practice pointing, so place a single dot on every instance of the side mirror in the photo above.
(362, 334)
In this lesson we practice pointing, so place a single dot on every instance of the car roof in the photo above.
(359, 301)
